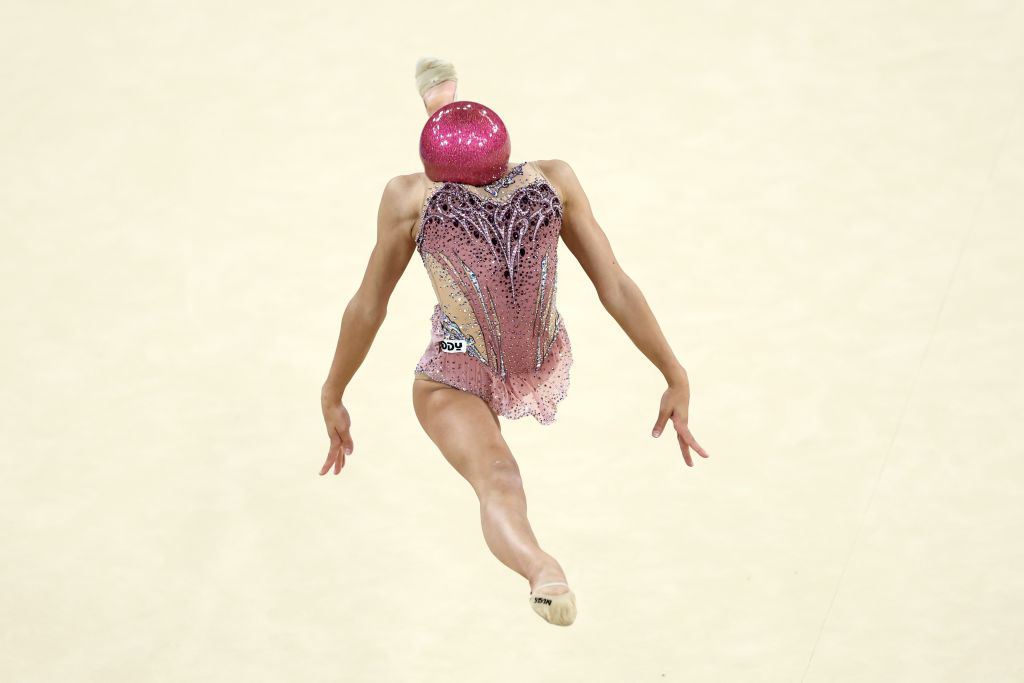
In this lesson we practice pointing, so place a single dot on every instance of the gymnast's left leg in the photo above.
(466, 430)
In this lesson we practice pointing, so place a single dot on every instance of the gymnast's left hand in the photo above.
(675, 404)
(339, 430)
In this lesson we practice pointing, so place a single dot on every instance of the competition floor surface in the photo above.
(822, 203)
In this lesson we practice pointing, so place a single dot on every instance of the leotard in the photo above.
(491, 253)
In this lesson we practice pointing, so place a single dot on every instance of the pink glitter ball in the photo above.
(465, 142)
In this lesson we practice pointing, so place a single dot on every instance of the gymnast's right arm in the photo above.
(398, 212)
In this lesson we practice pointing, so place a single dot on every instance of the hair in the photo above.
(431, 70)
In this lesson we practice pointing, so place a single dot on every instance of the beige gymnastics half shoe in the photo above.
(431, 70)
(557, 609)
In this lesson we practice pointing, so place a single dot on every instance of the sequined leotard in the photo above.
(491, 253)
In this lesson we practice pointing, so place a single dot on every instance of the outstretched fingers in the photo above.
(686, 441)
(341, 445)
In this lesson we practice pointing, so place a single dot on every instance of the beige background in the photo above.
(822, 203)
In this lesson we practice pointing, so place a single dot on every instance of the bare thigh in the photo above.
(466, 430)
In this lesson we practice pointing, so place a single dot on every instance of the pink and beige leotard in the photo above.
(491, 253)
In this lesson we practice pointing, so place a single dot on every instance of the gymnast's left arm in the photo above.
(624, 301)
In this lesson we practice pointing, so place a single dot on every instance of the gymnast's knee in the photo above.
(498, 474)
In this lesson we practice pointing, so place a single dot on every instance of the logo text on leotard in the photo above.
(453, 345)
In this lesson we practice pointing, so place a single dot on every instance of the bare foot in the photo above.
(439, 95)
(551, 572)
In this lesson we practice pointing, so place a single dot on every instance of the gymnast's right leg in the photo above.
(466, 430)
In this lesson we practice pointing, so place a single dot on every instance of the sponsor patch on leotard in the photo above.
(453, 345)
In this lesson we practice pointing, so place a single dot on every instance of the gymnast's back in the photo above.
(491, 256)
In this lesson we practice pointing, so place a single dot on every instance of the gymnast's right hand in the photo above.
(338, 425)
